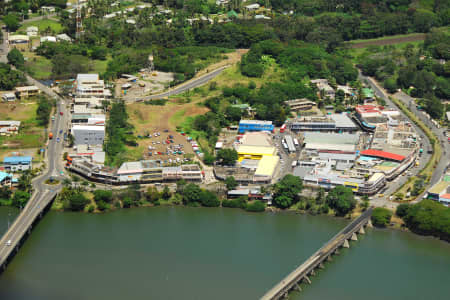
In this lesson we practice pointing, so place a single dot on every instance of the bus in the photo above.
(282, 128)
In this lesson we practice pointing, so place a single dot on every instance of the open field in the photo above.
(38, 66)
(150, 119)
(388, 40)
(30, 135)
(43, 25)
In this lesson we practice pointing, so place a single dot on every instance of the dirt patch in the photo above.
(390, 41)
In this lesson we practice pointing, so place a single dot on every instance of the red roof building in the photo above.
(383, 154)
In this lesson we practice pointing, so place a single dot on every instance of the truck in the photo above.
(50, 135)
(294, 163)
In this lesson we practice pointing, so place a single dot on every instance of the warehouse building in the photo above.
(255, 125)
(88, 134)
(328, 123)
(331, 142)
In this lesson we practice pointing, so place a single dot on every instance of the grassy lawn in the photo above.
(38, 66)
(384, 38)
(43, 25)
(437, 150)
(30, 134)
(99, 66)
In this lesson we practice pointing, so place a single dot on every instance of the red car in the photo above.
(61, 113)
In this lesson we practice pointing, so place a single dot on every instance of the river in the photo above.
(201, 253)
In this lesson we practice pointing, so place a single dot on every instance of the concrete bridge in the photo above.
(23, 224)
(304, 271)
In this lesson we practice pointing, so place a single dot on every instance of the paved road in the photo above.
(439, 132)
(425, 144)
(42, 193)
(193, 83)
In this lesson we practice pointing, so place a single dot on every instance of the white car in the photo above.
(8, 243)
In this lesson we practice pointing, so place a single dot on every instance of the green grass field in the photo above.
(42, 25)
(39, 67)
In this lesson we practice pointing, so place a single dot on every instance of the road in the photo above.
(193, 83)
(413, 171)
(42, 193)
(439, 132)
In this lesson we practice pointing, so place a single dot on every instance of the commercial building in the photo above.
(300, 104)
(88, 134)
(331, 142)
(255, 125)
(440, 192)
(267, 168)
(88, 119)
(328, 123)
(255, 152)
(9, 127)
(17, 163)
(94, 154)
(89, 85)
(27, 91)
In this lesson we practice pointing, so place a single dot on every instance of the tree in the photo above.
(25, 181)
(429, 217)
(287, 190)
(12, 22)
(227, 157)
(191, 193)
(77, 201)
(341, 199)
(16, 59)
(5, 192)
(390, 85)
(103, 195)
(402, 210)
(166, 194)
(43, 111)
(381, 217)
(152, 194)
(209, 199)
(230, 182)
(20, 199)
(256, 206)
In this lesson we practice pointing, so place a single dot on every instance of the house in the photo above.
(48, 9)
(252, 7)
(7, 97)
(262, 17)
(5, 178)
(63, 38)
(19, 41)
(325, 90)
(49, 39)
(32, 31)
(27, 91)
(9, 127)
(17, 163)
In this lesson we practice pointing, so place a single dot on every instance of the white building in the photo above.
(7, 97)
(88, 134)
(49, 39)
(89, 85)
(9, 127)
(32, 31)
(63, 37)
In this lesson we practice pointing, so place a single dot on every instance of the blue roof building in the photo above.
(17, 163)
(4, 177)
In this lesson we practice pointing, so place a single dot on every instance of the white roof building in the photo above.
(50, 39)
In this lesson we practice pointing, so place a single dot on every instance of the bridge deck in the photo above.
(23, 222)
(303, 270)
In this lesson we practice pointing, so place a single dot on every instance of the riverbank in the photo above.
(145, 253)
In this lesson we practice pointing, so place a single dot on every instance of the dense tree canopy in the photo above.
(341, 199)
(286, 191)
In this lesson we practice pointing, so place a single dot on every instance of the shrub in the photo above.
(256, 206)
(381, 217)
